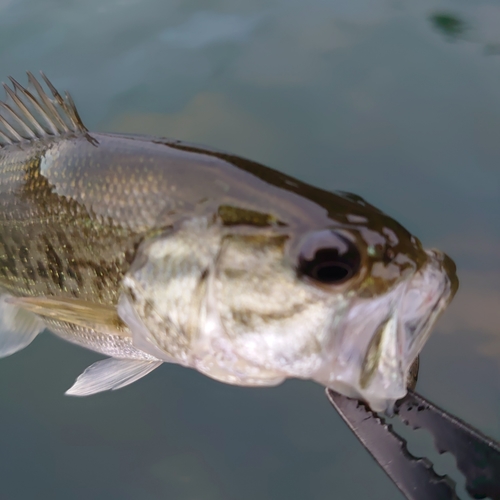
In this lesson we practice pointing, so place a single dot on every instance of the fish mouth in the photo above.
(427, 296)
(379, 339)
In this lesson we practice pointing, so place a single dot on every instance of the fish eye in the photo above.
(328, 258)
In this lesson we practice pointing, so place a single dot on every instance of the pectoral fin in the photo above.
(110, 374)
(75, 311)
(18, 327)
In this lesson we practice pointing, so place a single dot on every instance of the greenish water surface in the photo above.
(396, 101)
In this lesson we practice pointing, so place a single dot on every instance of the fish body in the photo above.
(151, 250)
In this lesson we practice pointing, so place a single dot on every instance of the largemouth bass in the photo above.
(150, 250)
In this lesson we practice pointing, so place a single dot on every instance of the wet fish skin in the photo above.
(158, 238)
(72, 212)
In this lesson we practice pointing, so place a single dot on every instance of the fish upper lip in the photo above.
(439, 282)
(451, 270)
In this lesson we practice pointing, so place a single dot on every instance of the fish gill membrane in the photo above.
(151, 250)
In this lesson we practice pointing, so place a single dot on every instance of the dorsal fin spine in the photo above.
(59, 122)
(5, 139)
(75, 122)
(48, 127)
(73, 109)
(39, 131)
(33, 115)
(18, 120)
(11, 130)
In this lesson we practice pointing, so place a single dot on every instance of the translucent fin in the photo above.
(18, 327)
(30, 116)
(110, 374)
(77, 312)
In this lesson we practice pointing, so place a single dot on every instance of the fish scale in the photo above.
(151, 250)
(56, 246)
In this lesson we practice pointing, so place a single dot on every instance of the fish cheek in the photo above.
(272, 318)
(166, 286)
(249, 281)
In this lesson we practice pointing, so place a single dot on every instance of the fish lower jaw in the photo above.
(380, 396)
(376, 404)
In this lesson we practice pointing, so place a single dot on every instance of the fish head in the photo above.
(348, 303)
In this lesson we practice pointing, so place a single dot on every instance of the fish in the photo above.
(151, 250)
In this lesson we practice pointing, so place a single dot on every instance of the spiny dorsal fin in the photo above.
(31, 115)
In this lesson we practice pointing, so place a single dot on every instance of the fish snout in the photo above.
(426, 297)
(380, 338)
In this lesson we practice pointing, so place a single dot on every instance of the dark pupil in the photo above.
(331, 265)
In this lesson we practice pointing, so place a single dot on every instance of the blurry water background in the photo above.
(394, 100)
